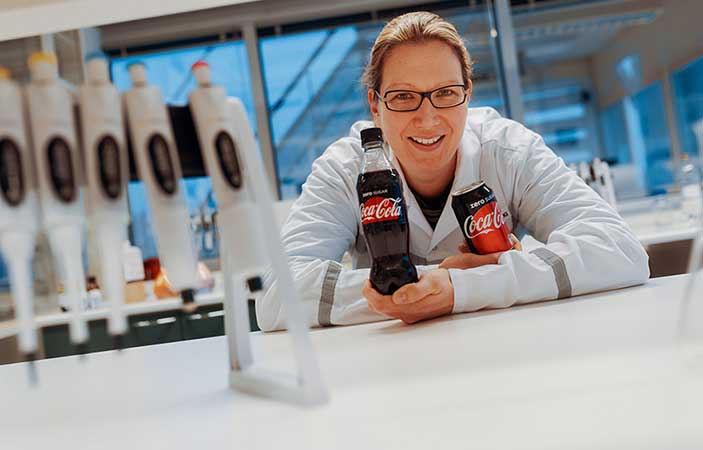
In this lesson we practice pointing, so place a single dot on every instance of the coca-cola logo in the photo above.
(380, 209)
(486, 220)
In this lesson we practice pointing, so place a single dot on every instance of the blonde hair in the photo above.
(414, 28)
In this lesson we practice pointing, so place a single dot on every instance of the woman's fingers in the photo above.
(516, 242)
(375, 299)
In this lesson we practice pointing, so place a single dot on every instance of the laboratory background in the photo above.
(615, 88)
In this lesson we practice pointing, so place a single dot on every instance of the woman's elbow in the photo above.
(638, 266)
(268, 310)
(643, 264)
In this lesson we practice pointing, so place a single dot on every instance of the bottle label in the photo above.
(61, 170)
(381, 209)
(110, 170)
(11, 176)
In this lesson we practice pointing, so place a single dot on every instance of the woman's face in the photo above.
(421, 67)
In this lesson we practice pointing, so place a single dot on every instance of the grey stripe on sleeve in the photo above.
(559, 269)
(324, 313)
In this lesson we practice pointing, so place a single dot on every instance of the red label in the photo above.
(487, 230)
(380, 209)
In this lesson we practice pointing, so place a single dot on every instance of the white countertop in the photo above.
(658, 219)
(659, 227)
(597, 371)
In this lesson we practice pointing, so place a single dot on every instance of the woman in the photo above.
(437, 150)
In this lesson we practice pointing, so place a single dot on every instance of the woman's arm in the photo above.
(588, 245)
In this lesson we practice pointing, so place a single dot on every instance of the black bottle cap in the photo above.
(369, 135)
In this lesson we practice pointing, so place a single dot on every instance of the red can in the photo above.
(480, 219)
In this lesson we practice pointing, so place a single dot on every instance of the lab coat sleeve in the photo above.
(322, 225)
(588, 246)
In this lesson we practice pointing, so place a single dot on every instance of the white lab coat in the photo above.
(588, 245)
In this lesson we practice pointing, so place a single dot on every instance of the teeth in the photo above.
(425, 141)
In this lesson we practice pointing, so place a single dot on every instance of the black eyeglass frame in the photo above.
(423, 95)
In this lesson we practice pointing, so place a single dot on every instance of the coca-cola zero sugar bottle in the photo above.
(384, 217)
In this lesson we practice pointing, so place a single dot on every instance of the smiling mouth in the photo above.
(426, 141)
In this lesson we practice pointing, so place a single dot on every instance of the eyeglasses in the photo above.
(440, 98)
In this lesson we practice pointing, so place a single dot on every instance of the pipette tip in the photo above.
(32, 369)
(82, 350)
(118, 342)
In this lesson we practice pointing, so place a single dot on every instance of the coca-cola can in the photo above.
(480, 219)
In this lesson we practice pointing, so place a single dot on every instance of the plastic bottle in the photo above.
(384, 217)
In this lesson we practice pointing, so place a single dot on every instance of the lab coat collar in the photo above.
(415, 215)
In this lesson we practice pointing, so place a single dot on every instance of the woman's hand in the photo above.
(468, 260)
(432, 296)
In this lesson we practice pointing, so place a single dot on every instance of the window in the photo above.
(616, 148)
(314, 91)
(612, 60)
(636, 140)
(4, 281)
(636, 137)
(560, 111)
(314, 94)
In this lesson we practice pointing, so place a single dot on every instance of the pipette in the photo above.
(18, 212)
(160, 169)
(107, 173)
(57, 158)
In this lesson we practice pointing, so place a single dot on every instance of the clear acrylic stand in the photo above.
(306, 386)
